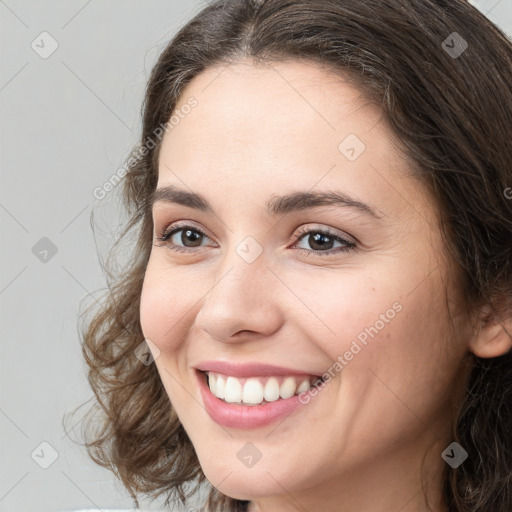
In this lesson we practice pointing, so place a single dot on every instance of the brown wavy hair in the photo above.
(453, 117)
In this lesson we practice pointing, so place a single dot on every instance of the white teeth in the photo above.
(288, 388)
(211, 382)
(253, 392)
(220, 386)
(257, 390)
(271, 392)
(304, 386)
(232, 390)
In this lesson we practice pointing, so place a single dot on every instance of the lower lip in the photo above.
(244, 416)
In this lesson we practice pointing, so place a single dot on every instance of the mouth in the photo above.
(258, 391)
(255, 395)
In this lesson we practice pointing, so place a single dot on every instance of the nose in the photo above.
(242, 304)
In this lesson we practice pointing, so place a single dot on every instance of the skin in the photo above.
(358, 445)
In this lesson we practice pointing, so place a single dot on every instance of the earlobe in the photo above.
(493, 339)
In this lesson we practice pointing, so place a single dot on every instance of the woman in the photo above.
(323, 268)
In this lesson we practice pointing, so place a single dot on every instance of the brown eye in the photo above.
(322, 242)
(190, 237)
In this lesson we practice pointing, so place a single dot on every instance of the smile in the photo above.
(258, 390)
(253, 402)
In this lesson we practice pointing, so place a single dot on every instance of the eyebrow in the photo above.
(277, 205)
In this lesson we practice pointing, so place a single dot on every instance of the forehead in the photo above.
(295, 99)
(290, 125)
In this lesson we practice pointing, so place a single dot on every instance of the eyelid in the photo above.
(348, 243)
(177, 226)
(306, 228)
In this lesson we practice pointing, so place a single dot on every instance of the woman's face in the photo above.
(355, 290)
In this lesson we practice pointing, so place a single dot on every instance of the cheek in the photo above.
(390, 340)
(351, 308)
(164, 306)
(413, 360)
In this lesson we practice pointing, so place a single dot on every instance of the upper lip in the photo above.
(249, 369)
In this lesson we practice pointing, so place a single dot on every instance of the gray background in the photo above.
(67, 122)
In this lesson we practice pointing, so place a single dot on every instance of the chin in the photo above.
(246, 483)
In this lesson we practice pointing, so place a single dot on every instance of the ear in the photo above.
(494, 335)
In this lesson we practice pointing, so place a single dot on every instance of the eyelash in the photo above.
(175, 228)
